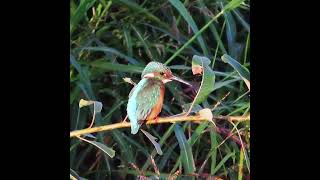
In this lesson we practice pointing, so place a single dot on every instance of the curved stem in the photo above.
(158, 121)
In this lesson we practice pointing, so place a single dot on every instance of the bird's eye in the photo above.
(162, 73)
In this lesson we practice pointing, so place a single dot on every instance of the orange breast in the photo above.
(158, 107)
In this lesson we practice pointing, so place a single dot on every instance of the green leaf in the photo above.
(221, 84)
(185, 14)
(166, 156)
(163, 139)
(108, 66)
(185, 151)
(103, 147)
(139, 9)
(233, 4)
(241, 19)
(74, 174)
(97, 106)
(213, 29)
(77, 66)
(79, 13)
(152, 139)
(222, 162)
(128, 41)
(144, 43)
(208, 77)
(243, 72)
(214, 144)
(126, 152)
(112, 51)
(196, 134)
(180, 67)
(136, 144)
(90, 136)
(240, 171)
(231, 31)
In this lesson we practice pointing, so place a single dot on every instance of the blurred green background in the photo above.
(111, 40)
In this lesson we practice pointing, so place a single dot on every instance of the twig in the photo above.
(160, 120)
(242, 146)
(219, 102)
(127, 124)
(233, 118)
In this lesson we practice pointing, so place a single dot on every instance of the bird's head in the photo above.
(160, 71)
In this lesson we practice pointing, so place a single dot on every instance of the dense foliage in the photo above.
(114, 39)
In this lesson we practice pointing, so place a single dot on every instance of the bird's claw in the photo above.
(156, 119)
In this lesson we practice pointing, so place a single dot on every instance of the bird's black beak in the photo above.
(180, 80)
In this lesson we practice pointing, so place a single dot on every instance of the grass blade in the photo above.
(136, 8)
(200, 65)
(153, 141)
(240, 173)
(144, 43)
(222, 162)
(127, 36)
(125, 151)
(213, 29)
(187, 17)
(74, 174)
(113, 51)
(214, 144)
(221, 84)
(161, 142)
(231, 5)
(103, 147)
(108, 66)
(185, 151)
(166, 156)
(231, 31)
(79, 13)
(243, 72)
(241, 19)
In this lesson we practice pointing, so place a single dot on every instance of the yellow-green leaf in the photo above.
(153, 140)
(243, 72)
(185, 151)
(208, 78)
(97, 106)
(104, 148)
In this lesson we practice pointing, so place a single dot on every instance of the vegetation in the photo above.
(113, 40)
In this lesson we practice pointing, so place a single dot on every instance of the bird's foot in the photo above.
(125, 119)
(156, 119)
(140, 122)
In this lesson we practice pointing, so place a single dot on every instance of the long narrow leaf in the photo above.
(185, 14)
(185, 151)
(79, 13)
(108, 66)
(113, 51)
(243, 72)
(103, 147)
(153, 141)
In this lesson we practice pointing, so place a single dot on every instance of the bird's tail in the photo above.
(134, 128)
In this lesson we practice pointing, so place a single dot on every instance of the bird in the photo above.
(146, 98)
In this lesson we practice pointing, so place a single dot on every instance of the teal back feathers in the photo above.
(132, 106)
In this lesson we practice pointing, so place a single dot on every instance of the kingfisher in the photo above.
(146, 98)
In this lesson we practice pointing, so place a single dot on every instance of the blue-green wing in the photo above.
(147, 98)
(142, 99)
(132, 106)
